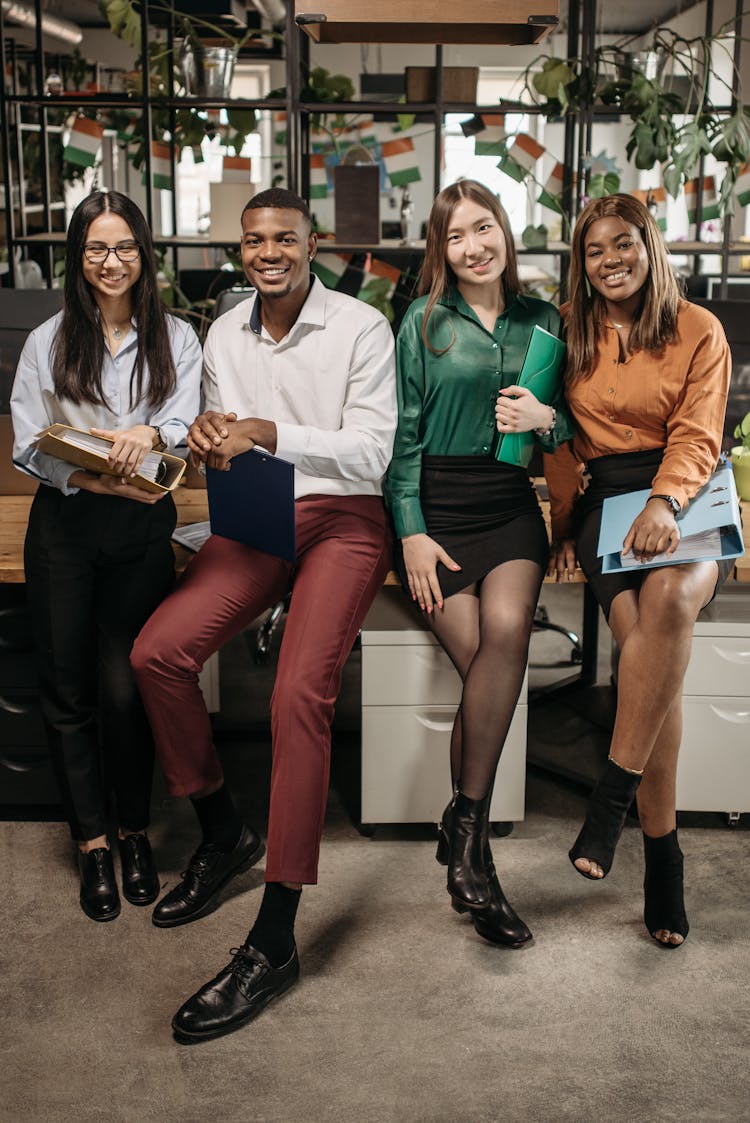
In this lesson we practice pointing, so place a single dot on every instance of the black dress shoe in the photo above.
(209, 870)
(238, 994)
(140, 881)
(99, 897)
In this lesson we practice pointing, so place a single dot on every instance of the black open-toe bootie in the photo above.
(605, 818)
(468, 881)
(664, 905)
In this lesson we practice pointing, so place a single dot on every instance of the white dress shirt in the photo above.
(329, 386)
(34, 403)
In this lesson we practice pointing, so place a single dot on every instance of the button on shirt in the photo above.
(35, 404)
(447, 401)
(675, 400)
(328, 385)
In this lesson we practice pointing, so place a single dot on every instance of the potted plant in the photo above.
(741, 458)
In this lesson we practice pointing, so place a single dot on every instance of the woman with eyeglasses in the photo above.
(98, 556)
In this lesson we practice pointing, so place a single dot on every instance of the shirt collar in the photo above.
(313, 311)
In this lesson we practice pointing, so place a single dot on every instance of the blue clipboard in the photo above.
(253, 503)
(715, 507)
(540, 373)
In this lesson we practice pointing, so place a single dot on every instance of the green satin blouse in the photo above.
(446, 402)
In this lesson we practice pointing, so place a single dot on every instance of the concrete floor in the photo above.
(402, 1014)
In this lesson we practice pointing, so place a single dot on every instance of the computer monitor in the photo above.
(21, 310)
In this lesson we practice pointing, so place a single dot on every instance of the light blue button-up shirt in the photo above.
(34, 403)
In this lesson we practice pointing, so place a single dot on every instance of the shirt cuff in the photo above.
(291, 441)
(408, 518)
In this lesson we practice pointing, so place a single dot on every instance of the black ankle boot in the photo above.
(468, 882)
(664, 905)
(444, 834)
(499, 923)
(605, 818)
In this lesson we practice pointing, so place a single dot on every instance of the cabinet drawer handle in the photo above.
(738, 717)
(436, 726)
(742, 657)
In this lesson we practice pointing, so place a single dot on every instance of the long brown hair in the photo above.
(436, 275)
(656, 324)
(78, 354)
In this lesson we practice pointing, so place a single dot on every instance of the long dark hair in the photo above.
(656, 324)
(78, 354)
(436, 275)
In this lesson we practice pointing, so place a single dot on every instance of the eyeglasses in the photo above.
(97, 253)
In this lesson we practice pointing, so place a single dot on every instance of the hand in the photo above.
(518, 411)
(562, 560)
(654, 531)
(207, 431)
(129, 448)
(113, 485)
(421, 555)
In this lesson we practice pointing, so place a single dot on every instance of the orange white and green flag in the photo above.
(318, 176)
(655, 198)
(161, 168)
(236, 169)
(490, 139)
(742, 185)
(551, 196)
(521, 157)
(330, 267)
(400, 161)
(84, 142)
(708, 195)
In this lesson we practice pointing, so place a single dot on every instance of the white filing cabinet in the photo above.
(410, 693)
(714, 766)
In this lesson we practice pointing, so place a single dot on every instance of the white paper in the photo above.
(697, 547)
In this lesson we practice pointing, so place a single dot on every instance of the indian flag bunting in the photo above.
(400, 161)
(236, 169)
(742, 185)
(330, 267)
(279, 128)
(552, 190)
(708, 195)
(655, 198)
(161, 170)
(318, 176)
(126, 132)
(521, 157)
(491, 140)
(378, 268)
(84, 142)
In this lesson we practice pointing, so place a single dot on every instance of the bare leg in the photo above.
(654, 633)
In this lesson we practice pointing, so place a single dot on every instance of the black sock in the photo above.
(273, 931)
(217, 815)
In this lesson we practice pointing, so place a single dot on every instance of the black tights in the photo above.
(485, 630)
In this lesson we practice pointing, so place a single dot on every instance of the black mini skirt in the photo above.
(483, 513)
(615, 475)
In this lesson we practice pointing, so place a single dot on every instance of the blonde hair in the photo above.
(436, 275)
(656, 324)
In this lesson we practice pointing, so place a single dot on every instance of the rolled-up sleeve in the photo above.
(361, 448)
(403, 480)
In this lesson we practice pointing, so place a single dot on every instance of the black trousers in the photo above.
(96, 568)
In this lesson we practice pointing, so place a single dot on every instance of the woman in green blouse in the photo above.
(473, 546)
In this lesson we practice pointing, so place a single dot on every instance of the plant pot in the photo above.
(741, 470)
(205, 70)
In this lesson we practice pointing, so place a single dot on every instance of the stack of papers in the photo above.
(705, 546)
(152, 466)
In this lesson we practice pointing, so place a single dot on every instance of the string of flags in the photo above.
(84, 142)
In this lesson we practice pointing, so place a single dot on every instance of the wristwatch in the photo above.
(670, 499)
(160, 442)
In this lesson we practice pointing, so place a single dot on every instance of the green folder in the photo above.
(540, 373)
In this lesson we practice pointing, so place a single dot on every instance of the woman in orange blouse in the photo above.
(647, 382)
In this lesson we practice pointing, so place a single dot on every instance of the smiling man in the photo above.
(307, 374)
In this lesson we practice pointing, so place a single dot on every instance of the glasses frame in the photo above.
(111, 249)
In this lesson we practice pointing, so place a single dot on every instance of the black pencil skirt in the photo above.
(482, 513)
(615, 475)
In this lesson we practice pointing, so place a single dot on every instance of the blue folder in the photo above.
(715, 507)
(253, 503)
(540, 373)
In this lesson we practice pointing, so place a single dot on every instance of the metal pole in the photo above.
(727, 227)
(5, 127)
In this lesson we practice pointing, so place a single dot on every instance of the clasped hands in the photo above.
(214, 438)
(518, 411)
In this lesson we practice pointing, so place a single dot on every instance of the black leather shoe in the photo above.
(209, 870)
(99, 897)
(140, 881)
(468, 880)
(238, 994)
